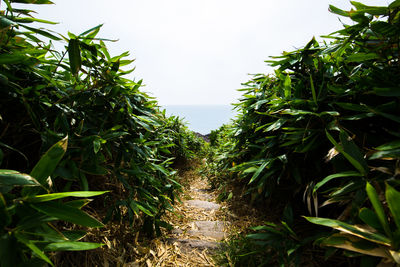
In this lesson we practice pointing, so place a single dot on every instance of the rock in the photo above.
(212, 234)
(203, 204)
(209, 225)
(189, 244)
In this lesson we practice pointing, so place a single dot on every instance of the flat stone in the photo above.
(203, 204)
(212, 234)
(202, 189)
(209, 226)
(190, 244)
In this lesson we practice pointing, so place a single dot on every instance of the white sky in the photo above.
(199, 51)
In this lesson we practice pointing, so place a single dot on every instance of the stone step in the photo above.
(211, 229)
(190, 244)
(203, 204)
(209, 226)
(211, 234)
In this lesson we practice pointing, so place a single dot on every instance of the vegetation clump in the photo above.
(319, 138)
(102, 134)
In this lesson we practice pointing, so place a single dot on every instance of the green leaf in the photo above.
(276, 125)
(96, 145)
(5, 23)
(67, 213)
(74, 235)
(78, 203)
(136, 206)
(30, 20)
(48, 197)
(42, 32)
(48, 162)
(360, 57)
(71, 246)
(355, 230)
(353, 107)
(369, 217)
(394, 4)
(336, 175)
(378, 207)
(36, 2)
(387, 91)
(351, 243)
(14, 178)
(25, 240)
(393, 153)
(257, 173)
(373, 10)
(390, 145)
(4, 214)
(314, 95)
(359, 166)
(12, 58)
(338, 11)
(74, 54)
(352, 149)
(393, 200)
(91, 33)
(287, 85)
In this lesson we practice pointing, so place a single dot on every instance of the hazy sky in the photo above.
(199, 51)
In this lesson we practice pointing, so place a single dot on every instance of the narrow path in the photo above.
(199, 226)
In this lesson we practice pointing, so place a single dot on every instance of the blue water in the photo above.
(202, 118)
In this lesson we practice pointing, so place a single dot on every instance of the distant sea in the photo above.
(202, 118)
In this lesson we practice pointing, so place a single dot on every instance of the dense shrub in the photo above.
(319, 131)
(118, 140)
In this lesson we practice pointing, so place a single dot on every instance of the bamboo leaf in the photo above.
(344, 241)
(352, 160)
(71, 246)
(36, 2)
(74, 54)
(14, 178)
(393, 200)
(48, 162)
(25, 240)
(377, 205)
(257, 173)
(334, 176)
(287, 85)
(67, 213)
(369, 217)
(314, 95)
(338, 11)
(48, 197)
(351, 229)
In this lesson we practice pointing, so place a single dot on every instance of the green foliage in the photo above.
(326, 123)
(118, 140)
(376, 237)
(30, 212)
(268, 245)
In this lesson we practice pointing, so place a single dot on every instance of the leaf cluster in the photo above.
(326, 122)
(118, 139)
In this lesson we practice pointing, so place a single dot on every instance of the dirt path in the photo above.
(199, 226)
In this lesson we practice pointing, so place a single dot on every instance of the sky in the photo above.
(198, 52)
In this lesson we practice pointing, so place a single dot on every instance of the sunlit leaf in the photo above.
(48, 162)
